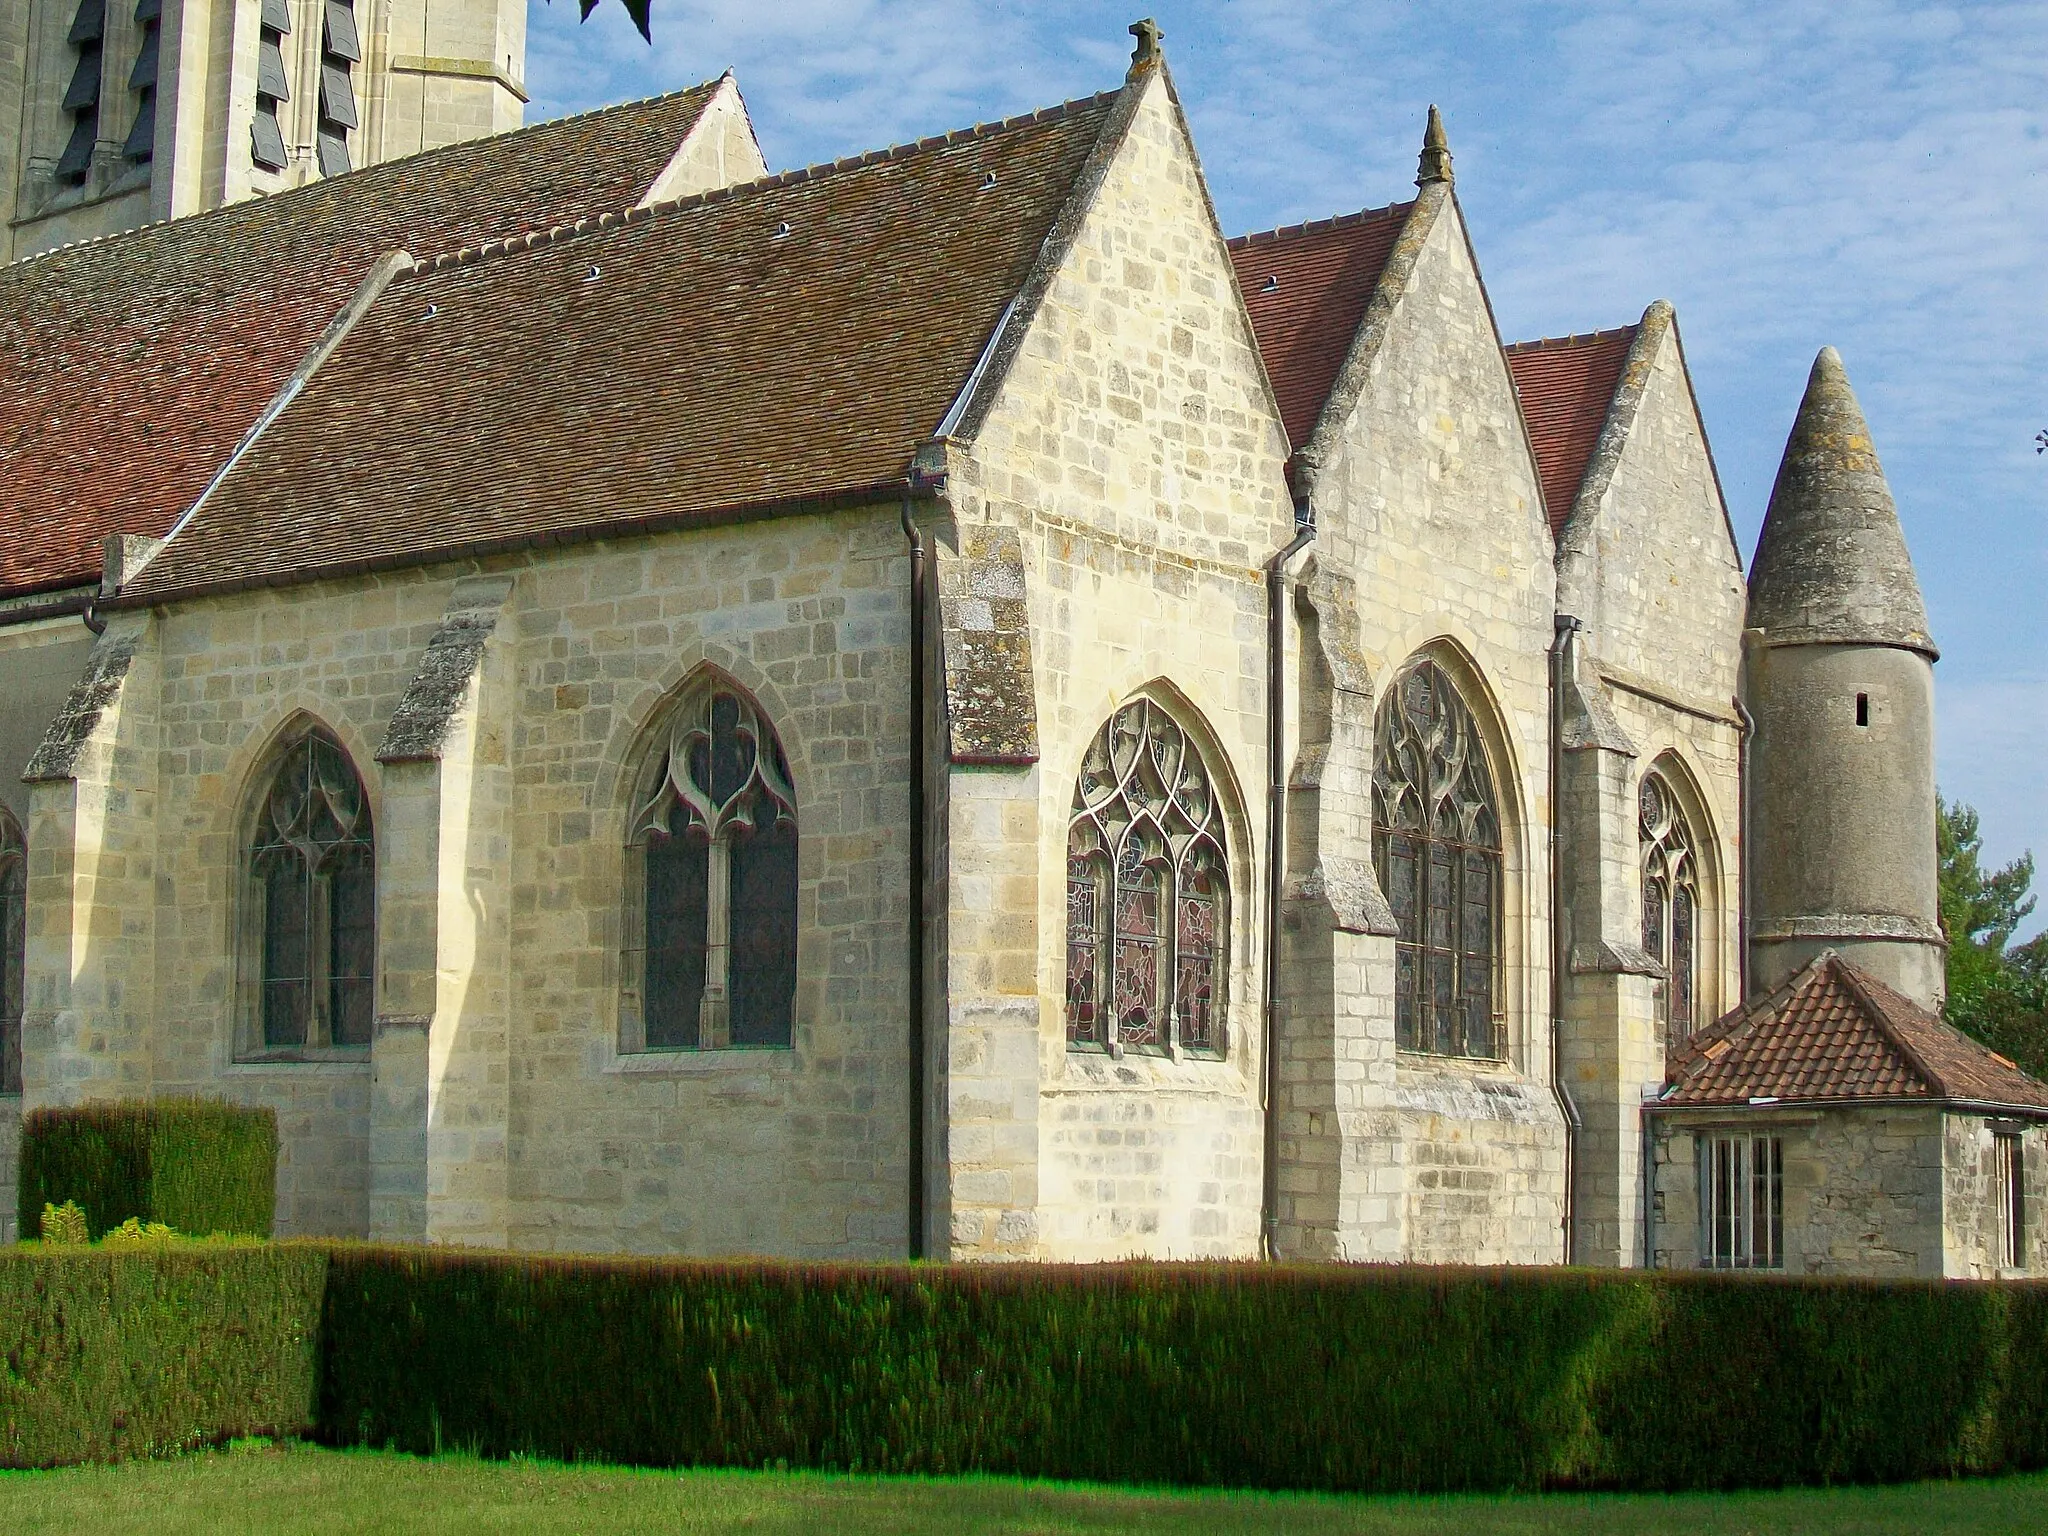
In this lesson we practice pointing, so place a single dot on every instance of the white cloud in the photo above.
(1992, 740)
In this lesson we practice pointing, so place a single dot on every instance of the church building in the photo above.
(935, 705)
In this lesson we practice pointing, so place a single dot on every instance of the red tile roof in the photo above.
(1566, 384)
(1307, 287)
(1834, 1032)
(131, 366)
(787, 342)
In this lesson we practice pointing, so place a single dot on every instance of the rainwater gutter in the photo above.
(1560, 650)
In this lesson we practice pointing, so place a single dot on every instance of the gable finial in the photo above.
(1436, 152)
(1146, 57)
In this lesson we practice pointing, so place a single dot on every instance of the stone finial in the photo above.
(1831, 562)
(1436, 152)
(1147, 56)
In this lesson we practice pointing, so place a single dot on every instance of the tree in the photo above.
(637, 9)
(1997, 992)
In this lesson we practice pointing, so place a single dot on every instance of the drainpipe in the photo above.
(1742, 823)
(91, 615)
(917, 873)
(1560, 655)
(1276, 862)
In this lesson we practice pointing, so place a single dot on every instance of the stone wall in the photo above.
(1971, 1216)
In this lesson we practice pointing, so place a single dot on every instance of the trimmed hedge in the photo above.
(193, 1164)
(1318, 1378)
(128, 1352)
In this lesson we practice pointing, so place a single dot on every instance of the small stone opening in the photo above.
(1863, 709)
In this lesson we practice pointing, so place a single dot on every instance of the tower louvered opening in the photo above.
(140, 145)
(266, 135)
(340, 51)
(82, 97)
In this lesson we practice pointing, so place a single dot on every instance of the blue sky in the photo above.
(1864, 174)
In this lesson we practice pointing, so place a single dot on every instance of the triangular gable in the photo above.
(786, 344)
(131, 366)
(1567, 385)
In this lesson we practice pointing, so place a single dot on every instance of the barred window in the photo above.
(1742, 1202)
(1148, 892)
(1437, 851)
(2009, 1194)
(712, 874)
(1670, 864)
(312, 877)
(13, 947)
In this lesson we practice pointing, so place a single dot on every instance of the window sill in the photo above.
(351, 1058)
(689, 1063)
(1096, 1071)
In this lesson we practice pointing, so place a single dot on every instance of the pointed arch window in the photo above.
(1671, 901)
(712, 871)
(313, 888)
(13, 946)
(1437, 851)
(1148, 892)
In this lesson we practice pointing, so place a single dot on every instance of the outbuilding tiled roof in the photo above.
(1834, 1032)
(131, 366)
(1566, 384)
(1306, 287)
(744, 349)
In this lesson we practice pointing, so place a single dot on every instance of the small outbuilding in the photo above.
(1834, 1126)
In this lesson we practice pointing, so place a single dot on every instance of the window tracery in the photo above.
(1670, 900)
(13, 947)
(1148, 892)
(1437, 851)
(716, 841)
(312, 867)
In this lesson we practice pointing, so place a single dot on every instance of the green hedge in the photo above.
(124, 1351)
(193, 1164)
(1330, 1378)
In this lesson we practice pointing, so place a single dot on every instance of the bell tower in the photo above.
(1839, 676)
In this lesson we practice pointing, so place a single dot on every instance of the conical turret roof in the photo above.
(1831, 564)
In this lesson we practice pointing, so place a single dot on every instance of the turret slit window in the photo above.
(712, 909)
(1670, 862)
(1437, 851)
(266, 135)
(340, 51)
(313, 885)
(87, 38)
(1148, 893)
(140, 146)
(13, 947)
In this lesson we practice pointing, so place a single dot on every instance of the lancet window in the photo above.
(1671, 900)
(1148, 892)
(313, 879)
(712, 941)
(13, 947)
(1437, 850)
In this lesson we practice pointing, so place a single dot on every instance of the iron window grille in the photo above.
(1148, 893)
(1671, 902)
(13, 947)
(1742, 1202)
(1437, 851)
(2009, 1193)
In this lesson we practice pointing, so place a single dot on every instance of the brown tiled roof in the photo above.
(1834, 1032)
(787, 342)
(1307, 287)
(1566, 384)
(131, 366)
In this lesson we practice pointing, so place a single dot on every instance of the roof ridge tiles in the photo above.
(1575, 339)
(1315, 226)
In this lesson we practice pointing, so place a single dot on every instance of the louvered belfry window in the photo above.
(1671, 900)
(1148, 892)
(1437, 851)
(13, 947)
(340, 51)
(266, 134)
(711, 941)
(313, 876)
(140, 146)
(87, 38)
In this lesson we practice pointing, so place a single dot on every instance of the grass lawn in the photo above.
(302, 1489)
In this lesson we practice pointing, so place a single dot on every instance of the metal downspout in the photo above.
(918, 880)
(1276, 862)
(1742, 830)
(1567, 626)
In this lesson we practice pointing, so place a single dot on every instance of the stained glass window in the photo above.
(313, 868)
(716, 838)
(1437, 851)
(1670, 901)
(13, 947)
(1148, 894)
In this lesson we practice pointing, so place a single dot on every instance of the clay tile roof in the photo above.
(1566, 384)
(1307, 287)
(131, 366)
(789, 342)
(1834, 1032)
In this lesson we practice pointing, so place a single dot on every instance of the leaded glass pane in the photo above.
(678, 870)
(1194, 987)
(1086, 869)
(1135, 958)
(1670, 901)
(764, 935)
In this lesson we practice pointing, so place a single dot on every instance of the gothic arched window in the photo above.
(1148, 892)
(13, 946)
(1437, 851)
(313, 886)
(712, 932)
(1671, 900)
